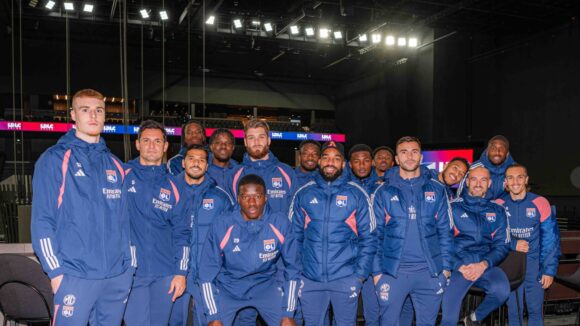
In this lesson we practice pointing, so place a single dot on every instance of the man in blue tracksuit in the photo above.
(383, 160)
(309, 151)
(241, 257)
(207, 201)
(192, 132)
(414, 252)
(160, 231)
(334, 225)
(496, 159)
(221, 164)
(279, 177)
(482, 241)
(534, 230)
(80, 229)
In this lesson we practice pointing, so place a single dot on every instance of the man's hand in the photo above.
(55, 283)
(177, 286)
(472, 272)
(287, 321)
(446, 273)
(547, 281)
(377, 278)
(522, 246)
(215, 323)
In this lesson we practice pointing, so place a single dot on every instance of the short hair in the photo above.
(87, 92)
(198, 147)
(310, 141)
(385, 148)
(407, 139)
(500, 138)
(151, 124)
(360, 148)
(517, 165)
(251, 179)
(222, 131)
(190, 122)
(255, 123)
(462, 160)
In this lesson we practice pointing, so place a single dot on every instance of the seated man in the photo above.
(239, 261)
(482, 241)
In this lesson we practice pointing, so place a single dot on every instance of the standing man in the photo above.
(309, 151)
(482, 241)
(414, 255)
(279, 177)
(207, 201)
(80, 230)
(496, 159)
(383, 159)
(160, 231)
(534, 230)
(221, 164)
(334, 226)
(240, 261)
(192, 132)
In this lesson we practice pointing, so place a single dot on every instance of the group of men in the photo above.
(143, 241)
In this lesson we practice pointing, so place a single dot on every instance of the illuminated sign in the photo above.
(437, 159)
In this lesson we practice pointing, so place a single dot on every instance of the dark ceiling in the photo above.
(247, 52)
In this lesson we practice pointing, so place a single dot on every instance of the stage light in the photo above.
(210, 20)
(268, 27)
(309, 31)
(69, 6)
(88, 7)
(402, 41)
(49, 5)
(376, 38)
(413, 42)
(256, 22)
(294, 29)
(324, 32)
(237, 23)
(163, 14)
(338, 35)
(144, 13)
(390, 40)
(363, 38)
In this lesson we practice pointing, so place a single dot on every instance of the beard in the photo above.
(411, 169)
(258, 153)
(330, 177)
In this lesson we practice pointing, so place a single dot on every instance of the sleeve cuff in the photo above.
(54, 273)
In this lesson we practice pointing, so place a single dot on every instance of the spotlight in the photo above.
(163, 15)
(256, 22)
(376, 38)
(413, 42)
(309, 31)
(69, 6)
(33, 3)
(338, 35)
(268, 27)
(390, 40)
(402, 41)
(144, 13)
(324, 32)
(363, 38)
(49, 5)
(210, 20)
(237, 23)
(88, 7)
(294, 30)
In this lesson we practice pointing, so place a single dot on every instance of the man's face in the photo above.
(361, 164)
(252, 200)
(151, 146)
(309, 156)
(331, 164)
(195, 163)
(478, 181)
(222, 148)
(88, 113)
(408, 156)
(454, 172)
(384, 160)
(497, 152)
(516, 180)
(194, 134)
(257, 143)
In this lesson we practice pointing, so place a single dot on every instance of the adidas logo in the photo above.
(395, 198)
(314, 201)
(80, 173)
(440, 290)
(132, 189)
(236, 249)
(464, 215)
(354, 295)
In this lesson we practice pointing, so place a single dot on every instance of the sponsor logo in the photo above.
(326, 137)
(207, 204)
(69, 300)
(135, 130)
(80, 173)
(164, 194)
(531, 212)
(111, 176)
(277, 182)
(132, 189)
(236, 240)
(110, 129)
(14, 125)
(464, 215)
(68, 311)
(236, 249)
(301, 136)
(384, 292)
(277, 135)
(170, 131)
(430, 196)
(395, 198)
(341, 201)
(269, 245)
(412, 213)
(490, 217)
(314, 201)
(46, 126)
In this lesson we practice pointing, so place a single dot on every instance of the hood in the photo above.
(475, 203)
(232, 164)
(393, 176)
(71, 140)
(336, 184)
(149, 170)
(207, 183)
(261, 164)
(496, 169)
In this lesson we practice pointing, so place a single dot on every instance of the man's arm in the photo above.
(381, 218)
(549, 239)
(209, 267)
(366, 225)
(299, 220)
(444, 228)
(289, 253)
(501, 240)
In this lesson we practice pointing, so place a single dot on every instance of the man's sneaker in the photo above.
(468, 322)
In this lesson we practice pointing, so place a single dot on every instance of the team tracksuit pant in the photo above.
(149, 303)
(371, 309)
(533, 293)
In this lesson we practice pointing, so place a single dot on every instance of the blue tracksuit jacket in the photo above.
(481, 231)
(240, 255)
(497, 173)
(160, 229)
(369, 184)
(279, 178)
(174, 165)
(531, 219)
(334, 226)
(303, 178)
(433, 216)
(219, 174)
(79, 224)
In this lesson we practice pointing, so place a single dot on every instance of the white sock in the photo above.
(472, 316)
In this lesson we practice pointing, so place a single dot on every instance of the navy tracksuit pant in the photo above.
(149, 303)
(533, 293)
(493, 281)
(371, 308)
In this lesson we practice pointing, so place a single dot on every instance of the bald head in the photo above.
(478, 181)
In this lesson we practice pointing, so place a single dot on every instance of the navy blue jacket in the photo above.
(160, 231)
(219, 174)
(370, 183)
(481, 231)
(433, 217)
(240, 256)
(279, 178)
(334, 226)
(303, 178)
(79, 223)
(531, 219)
(174, 164)
(497, 174)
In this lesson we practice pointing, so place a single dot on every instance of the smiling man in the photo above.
(309, 151)
(221, 164)
(192, 132)
(383, 160)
